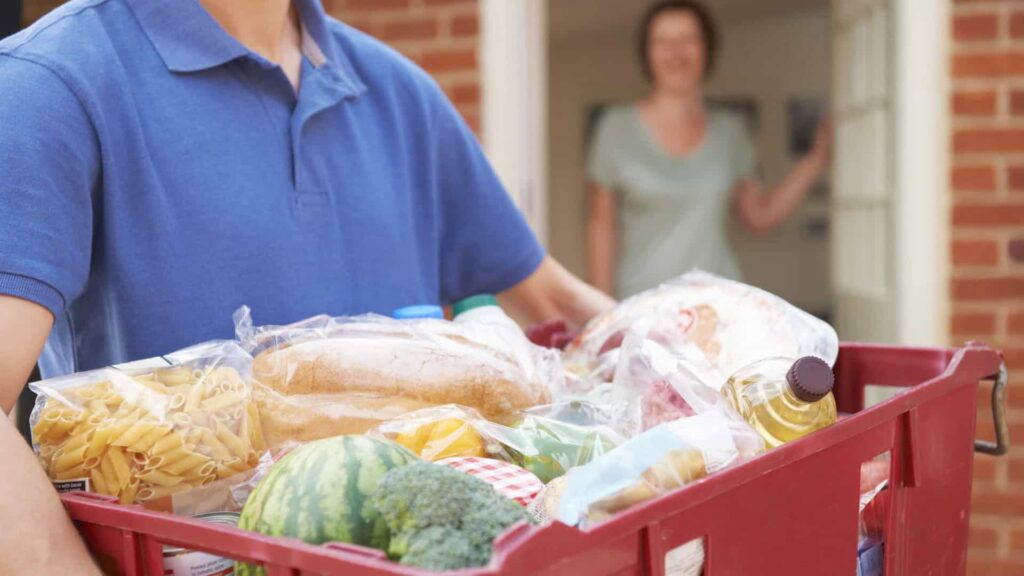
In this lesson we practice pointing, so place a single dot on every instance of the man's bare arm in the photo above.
(36, 535)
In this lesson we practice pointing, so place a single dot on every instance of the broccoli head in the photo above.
(440, 518)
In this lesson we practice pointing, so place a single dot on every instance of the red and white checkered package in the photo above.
(508, 479)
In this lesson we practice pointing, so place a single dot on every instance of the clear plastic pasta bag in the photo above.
(328, 376)
(177, 433)
(658, 461)
(718, 325)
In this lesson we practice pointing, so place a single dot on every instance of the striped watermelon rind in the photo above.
(320, 492)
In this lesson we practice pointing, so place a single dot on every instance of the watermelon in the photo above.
(321, 492)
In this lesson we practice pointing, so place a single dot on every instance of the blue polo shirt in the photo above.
(155, 175)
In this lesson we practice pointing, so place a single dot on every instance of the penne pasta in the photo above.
(120, 465)
(134, 432)
(234, 443)
(154, 492)
(147, 436)
(127, 494)
(67, 460)
(190, 461)
(72, 473)
(99, 485)
(199, 472)
(222, 401)
(177, 401)
(194, 397)
(160, 478)
(166, 444)
(100, 439)
(145, 443)
(217, 448)
(78, 441)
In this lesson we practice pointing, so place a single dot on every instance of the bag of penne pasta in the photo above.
(177, 433)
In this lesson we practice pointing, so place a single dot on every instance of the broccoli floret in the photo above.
(440, 518)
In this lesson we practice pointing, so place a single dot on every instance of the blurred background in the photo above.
(915, 236)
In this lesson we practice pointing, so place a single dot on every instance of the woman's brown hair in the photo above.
(708, 31)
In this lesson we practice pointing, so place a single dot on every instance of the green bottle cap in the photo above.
(472, 303)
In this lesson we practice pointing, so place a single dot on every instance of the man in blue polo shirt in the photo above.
(164, 162)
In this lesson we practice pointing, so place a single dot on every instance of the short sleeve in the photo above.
(745, 160)
(49, 162)
(487, 245)
(602, 166)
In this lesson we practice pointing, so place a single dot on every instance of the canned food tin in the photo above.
(184, 562)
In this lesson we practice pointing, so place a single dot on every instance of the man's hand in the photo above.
(36, 536)
(553, 293)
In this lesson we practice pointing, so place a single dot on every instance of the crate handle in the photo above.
(1002, 443)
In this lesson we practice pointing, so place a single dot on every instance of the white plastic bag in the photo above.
(659, 460)
(718, 325)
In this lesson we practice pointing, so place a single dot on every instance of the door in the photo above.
(890, 209)
(864, 185)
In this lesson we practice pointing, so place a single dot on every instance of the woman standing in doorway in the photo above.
(664, 171)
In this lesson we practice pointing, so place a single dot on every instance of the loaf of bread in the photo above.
(364, 374)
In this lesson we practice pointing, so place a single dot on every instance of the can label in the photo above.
(188, 563)
(182, 562)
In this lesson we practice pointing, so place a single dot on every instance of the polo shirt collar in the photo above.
(188, 38)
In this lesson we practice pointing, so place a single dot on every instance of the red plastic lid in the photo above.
(810, 378)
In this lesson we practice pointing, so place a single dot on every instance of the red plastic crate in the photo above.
(790, 512)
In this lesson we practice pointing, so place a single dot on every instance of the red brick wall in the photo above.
(988, 250)
(440, 35)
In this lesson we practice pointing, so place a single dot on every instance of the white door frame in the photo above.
(922, 156)
(514, 91)
(514, 58)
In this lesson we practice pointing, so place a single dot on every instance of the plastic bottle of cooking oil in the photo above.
(784, 399)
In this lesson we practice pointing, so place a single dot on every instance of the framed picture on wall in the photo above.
(803, 114)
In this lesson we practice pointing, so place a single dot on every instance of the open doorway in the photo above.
(773, 69)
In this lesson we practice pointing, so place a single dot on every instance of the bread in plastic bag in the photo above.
(658, 461)
(328, 376)
(719, 325)
(182, 424)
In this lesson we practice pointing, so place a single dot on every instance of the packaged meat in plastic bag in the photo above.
(658, 461)
(718, 325)
(328, 376)
(177, 433)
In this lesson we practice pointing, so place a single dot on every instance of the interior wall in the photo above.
(770, 59)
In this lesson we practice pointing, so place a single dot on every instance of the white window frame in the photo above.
(513, 63)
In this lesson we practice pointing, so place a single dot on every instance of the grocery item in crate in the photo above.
(659, 460)
(718, 325)
(440, 432)
(549, 447)
(180, 561)
(154, 429)
(446, 438)
(654, 385)
(509, 480)
(328, 376)
(442, 519)
(320, 492)
(784, 399)
(543, 446)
